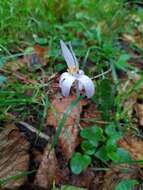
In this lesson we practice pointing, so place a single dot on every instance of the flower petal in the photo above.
(66, 84)
(67, 55)
(80, 86)
(81, 72)
(73, 54)
(63, 77)
(87, 83)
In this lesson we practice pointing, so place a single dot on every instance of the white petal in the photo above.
(63, 77)
(87, 84)
(66, 84)
(81, 72)
(67, 55)
(80, 86)
(75, 59)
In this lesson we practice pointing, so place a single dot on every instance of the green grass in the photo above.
(71, 20)
(95, 29)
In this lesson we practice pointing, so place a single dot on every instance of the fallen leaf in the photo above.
(90, 113)
(15, 65)
(37, 57)
(48, 171)
(37, 157)
(129, 104)
(68, 138)
(139, 112)
(128, 38)
(40, 50)
(85, 179)
(24, 78)
(119, 173)
(134, 145)
(14, 157)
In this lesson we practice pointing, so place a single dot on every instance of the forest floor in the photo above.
(48, 141)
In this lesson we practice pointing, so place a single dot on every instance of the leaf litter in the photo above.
(69, 137)
(48, 170)
(14, 157)
(49, 164)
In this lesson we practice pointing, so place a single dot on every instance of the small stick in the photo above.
(100, 75)
(34, 130)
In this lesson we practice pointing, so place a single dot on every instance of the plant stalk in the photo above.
(78, 106)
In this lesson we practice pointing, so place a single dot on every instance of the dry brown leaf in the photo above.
(48, 171)
(135, 38)
(126, 84)
(40, 50)
(60, 105)
(38, 156)
(134, 145)
(139, 112)
(15, 65)
(83, 180)
(128, 38)
(24, 78)
(14, 158)
(91, 112)
(68, 138)
(129, 104)
(37, 57)
(119, 173)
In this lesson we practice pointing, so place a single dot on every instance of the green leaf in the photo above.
(102, 154)
(127, 184)
(120, 156)
(104, 97)
(79, 162)
(2, 79)
(111, 144)
(41, 41)
(93, 134)
(67, 187)
(60, 67)
(122, 62)
(15, 177)
(88, 148)
(2, 62)
(29, 50)
(98, 33)
(124, 155)
(110, 129)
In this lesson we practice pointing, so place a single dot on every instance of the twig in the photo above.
(52, 77)
(5, 71)
(93, 120)
(34, 130)
(100, 75)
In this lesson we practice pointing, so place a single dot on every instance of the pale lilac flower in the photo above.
(74, 74)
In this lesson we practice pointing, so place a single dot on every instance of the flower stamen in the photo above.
(73, 70)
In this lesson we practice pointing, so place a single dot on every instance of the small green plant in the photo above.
(127, 184)
(67, 187)
(101, 144)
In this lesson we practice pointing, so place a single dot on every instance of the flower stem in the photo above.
(78, 106)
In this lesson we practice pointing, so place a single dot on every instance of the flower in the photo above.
(74, 74)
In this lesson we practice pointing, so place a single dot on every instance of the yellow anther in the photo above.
(73, 70)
